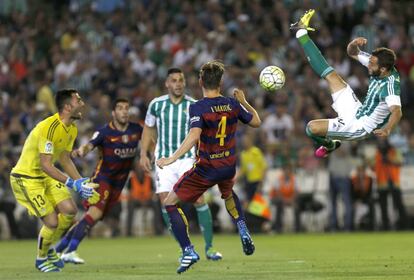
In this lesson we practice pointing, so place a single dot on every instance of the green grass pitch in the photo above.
(310, 256)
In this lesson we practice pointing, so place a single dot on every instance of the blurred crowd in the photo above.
(123, 48)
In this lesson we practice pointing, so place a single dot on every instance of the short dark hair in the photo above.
(211, 74)
(174, 70)
(119, 100)
(63, 97)
(386, 57)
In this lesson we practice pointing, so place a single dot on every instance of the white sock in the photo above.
(301, 32)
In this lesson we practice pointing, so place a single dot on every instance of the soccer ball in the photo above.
(272, 78)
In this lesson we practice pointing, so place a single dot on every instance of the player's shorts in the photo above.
(109, 197)
(346, 126)
(192, 185)
(166, 177)
(39, 195)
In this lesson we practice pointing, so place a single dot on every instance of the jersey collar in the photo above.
(62, 123)
(112, 126)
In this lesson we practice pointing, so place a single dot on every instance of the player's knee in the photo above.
(95, 213)
(167, 201)
(335, 81)
(70, 212)
(162, 196)
(226, 195)
(68, 207)
(200, 201)
(52, 225)
(311, 128)
(51, 221)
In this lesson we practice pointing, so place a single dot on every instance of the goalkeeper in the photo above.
(41, 187)
(118, 145)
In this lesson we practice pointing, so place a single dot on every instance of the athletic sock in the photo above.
(315, 58)
(44, 241)
(320, 140)
(179, 225)
(64, 241)
(64, 222)
(166, 218)
(80, 231)
(206, 224)
(233, 207)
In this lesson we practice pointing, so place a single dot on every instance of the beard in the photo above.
(122, 121)
(77, 116)
(177, 93)
(376, 73)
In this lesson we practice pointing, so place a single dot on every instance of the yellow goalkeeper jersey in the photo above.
(253, 164)
(49, 136)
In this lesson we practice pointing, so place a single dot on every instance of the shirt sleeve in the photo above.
(244, 115)
(45, 146)
(393, 100)
(97, 138)
(196, 116)
(45, 143)
(392, 92)
(150, 117)
(363, 58)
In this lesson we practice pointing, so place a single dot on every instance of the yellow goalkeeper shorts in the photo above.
(39, 195)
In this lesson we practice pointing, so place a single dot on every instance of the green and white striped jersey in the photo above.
(172, 124)
(382, 94)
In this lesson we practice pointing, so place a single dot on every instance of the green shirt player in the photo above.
(381, 109)
(167, 124)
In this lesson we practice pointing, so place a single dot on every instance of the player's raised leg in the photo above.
(318, 129)
(234, 208)
(179, 226)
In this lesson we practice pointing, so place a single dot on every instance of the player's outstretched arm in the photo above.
(395, 117)
(80, 185)
(239, 96)
(82, 151)
(68, 165)
(190, 140)
(353, 47)
(47, 166)
(149, 135)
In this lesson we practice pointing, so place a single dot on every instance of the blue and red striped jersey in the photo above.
(118, 150)
(216, 153)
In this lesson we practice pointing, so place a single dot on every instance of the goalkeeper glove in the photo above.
(95, 197)
(82, 187)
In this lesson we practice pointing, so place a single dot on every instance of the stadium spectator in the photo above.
(252, 167)
(140, 197)
(388, 161)
(278, 126)
(339, 167)
(284, 194)
(7, 201)
(362, 179)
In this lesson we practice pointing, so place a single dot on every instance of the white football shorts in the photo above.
(166, 178)
(346, 126)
